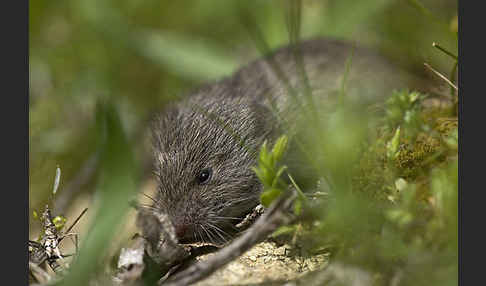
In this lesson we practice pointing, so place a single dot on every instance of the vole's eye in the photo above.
(204, 176)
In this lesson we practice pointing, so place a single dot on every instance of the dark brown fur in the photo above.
(222, 125)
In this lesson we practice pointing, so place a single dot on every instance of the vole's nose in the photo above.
(180, 230)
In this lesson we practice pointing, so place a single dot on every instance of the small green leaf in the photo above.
(392, 145)
(277, 176)
(59, 222)
(263, 175)
(279, 148)
(267, 172)
(267, 177)
(268, 196)
(299, 191)
(35, 214)
(414, 96)
(264, 156)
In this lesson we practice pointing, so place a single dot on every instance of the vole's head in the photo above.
(204, 149)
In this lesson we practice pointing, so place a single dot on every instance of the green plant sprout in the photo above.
(269, 172)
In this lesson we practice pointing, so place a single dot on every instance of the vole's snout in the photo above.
(181, 230)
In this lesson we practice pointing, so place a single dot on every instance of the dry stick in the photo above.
(265, 225)
(162, 244)
(453, 72)
(76, 221)
(441, 76)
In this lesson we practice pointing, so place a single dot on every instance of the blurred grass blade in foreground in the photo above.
(116, 185)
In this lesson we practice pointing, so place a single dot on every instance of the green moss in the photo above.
(426, 142)
(413, 158)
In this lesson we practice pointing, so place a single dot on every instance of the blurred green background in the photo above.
(142, 54)
(100, 69)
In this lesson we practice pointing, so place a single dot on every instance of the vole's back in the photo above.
(204, 146)
(326, 62)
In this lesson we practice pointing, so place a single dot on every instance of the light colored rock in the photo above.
(265, 262)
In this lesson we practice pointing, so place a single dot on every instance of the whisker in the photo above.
(150, 197)
(147, 207)
(207, 234)
(222, 231)
(227, 217)
(203, 238)
(219, 232)
(214, 230)
(198, 233)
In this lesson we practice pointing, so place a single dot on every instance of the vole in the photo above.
(204, 145)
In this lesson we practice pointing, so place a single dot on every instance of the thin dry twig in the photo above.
(441, 76)
(250, 218)
(76, 220)
(273, 217)
(162, 244)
